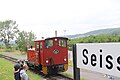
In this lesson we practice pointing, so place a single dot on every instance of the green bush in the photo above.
(102, 38)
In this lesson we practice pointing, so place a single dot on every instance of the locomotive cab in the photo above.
(50, 55)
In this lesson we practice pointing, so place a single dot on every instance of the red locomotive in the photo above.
(50, 55)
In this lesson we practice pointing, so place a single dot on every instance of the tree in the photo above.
(8, 31)
(25, 39)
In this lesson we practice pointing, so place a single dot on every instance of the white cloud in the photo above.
(74, 16)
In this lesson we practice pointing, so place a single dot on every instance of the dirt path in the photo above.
(89, 75)
(86, 74)
(17, 56)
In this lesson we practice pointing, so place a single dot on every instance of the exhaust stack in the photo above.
(56, 33)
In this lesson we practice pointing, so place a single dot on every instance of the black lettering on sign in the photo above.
(85, 51)
(110, 66)
(118, 61)
(100, 59)
(93, 60)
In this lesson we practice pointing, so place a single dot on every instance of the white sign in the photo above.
(99, 57)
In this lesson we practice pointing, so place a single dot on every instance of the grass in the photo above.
(6, 50)
(6, 71)
(70, 63)
(1, 50)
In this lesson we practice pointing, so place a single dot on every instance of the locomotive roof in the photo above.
(57, 37)
(38, 40)
(51, 38)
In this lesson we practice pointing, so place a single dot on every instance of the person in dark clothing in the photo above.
(17, 68)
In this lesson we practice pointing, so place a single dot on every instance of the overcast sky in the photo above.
(68, 17)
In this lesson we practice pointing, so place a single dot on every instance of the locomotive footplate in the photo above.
(55, 68)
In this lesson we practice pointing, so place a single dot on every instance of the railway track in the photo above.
(8, 58)
(57, 77)
(47, 77)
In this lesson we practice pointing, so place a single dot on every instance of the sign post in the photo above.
(76, 71)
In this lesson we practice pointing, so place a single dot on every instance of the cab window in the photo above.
(62, 42)
(37, 46)
(48, 43)
(41, 46)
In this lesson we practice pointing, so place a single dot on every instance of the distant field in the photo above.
(6, 71)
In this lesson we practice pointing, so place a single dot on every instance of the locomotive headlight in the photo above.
(65, 59)
(47, 61)
(55, 39)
